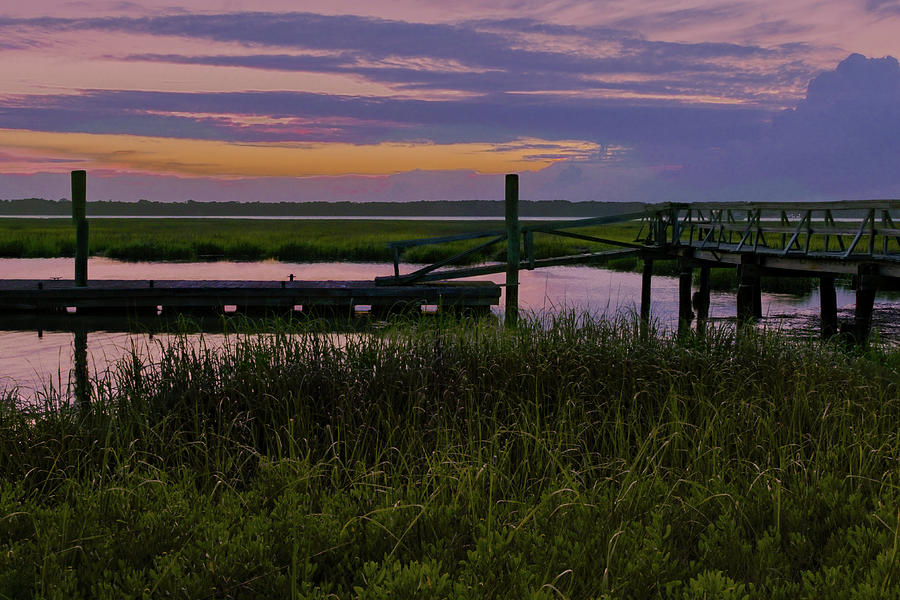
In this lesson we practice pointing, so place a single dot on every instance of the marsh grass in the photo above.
(571, 458)
(200, 239)
(253, 239)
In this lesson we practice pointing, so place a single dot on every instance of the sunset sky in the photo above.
(620, 100)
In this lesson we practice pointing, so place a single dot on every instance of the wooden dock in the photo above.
(326, 297)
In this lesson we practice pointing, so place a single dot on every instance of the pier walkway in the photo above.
(328, 298)
(855, 240)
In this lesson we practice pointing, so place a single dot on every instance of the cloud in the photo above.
(482, 56)
(683, 17)
(840, 142)
(219, 159)
(883, 6)
(297, 116)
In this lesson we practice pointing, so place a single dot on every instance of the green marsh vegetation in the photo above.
(257, 239)
(570, 458)
(191, 239)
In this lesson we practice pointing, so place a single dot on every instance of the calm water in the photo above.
(35, 360)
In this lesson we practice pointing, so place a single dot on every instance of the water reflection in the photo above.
(47, 355)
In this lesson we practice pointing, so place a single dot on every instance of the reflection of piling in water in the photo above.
(82, 379)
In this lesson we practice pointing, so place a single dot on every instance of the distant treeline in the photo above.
(442, 208)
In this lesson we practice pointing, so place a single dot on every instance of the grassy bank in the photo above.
(256, 239)
(308, 241)
(569, 460)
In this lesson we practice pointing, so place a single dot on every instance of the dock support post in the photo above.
(82, 379)
(512, 250)
(749, 300)
(757, 294)
(685, 314)
(865, 302)
(828, 305)
(79, 215)
(646, 281)
(701, 299)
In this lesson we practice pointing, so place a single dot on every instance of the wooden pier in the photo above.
(95, 297)
(332, 298)
(859, 240)
(855, 240)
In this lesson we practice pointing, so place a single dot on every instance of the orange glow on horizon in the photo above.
(233, 159)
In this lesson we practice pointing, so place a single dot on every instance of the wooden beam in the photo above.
(865, 303)
(685, 313)
(646, 284)
(79, 215)
(828, 305)
(512, 250)
(702, 303)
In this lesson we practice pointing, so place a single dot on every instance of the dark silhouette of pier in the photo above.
(858, 240)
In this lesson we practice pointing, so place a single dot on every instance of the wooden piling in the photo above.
(701, 299)
(79, 215)
(757, 294)
(865, 302)
(82, 376)
(512, 250)
(646, 281)
(748, 295)
(685, 313)
(828, 305)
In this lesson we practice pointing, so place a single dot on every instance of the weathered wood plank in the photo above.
(55, 294)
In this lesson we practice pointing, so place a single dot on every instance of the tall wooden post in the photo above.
(748, 295)
(79, 215)
(757, 294)
(865, 302)
(685, 314)
(512, 250)
(701, 300)
(646, 281)
(828, 305)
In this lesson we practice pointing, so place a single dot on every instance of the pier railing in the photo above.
(527, 258)
(841, 230)
(783, 239)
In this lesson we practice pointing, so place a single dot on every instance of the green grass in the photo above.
(254, 239)
(315, 240)
(567, 459)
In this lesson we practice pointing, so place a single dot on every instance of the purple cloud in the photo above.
(358, 44)
(839, 142)
(494, 118)
(883, 6)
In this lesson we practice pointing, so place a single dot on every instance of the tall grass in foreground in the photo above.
(567, 459)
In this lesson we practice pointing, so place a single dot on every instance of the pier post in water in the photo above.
(865, 302)
(685, 314)
(749, 300)
(828, 305)
(646, 280)
(701, 299)
(79, 215)
(513, 234)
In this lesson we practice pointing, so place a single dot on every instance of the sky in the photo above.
(610, 100)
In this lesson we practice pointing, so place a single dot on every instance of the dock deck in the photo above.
(41, 295)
